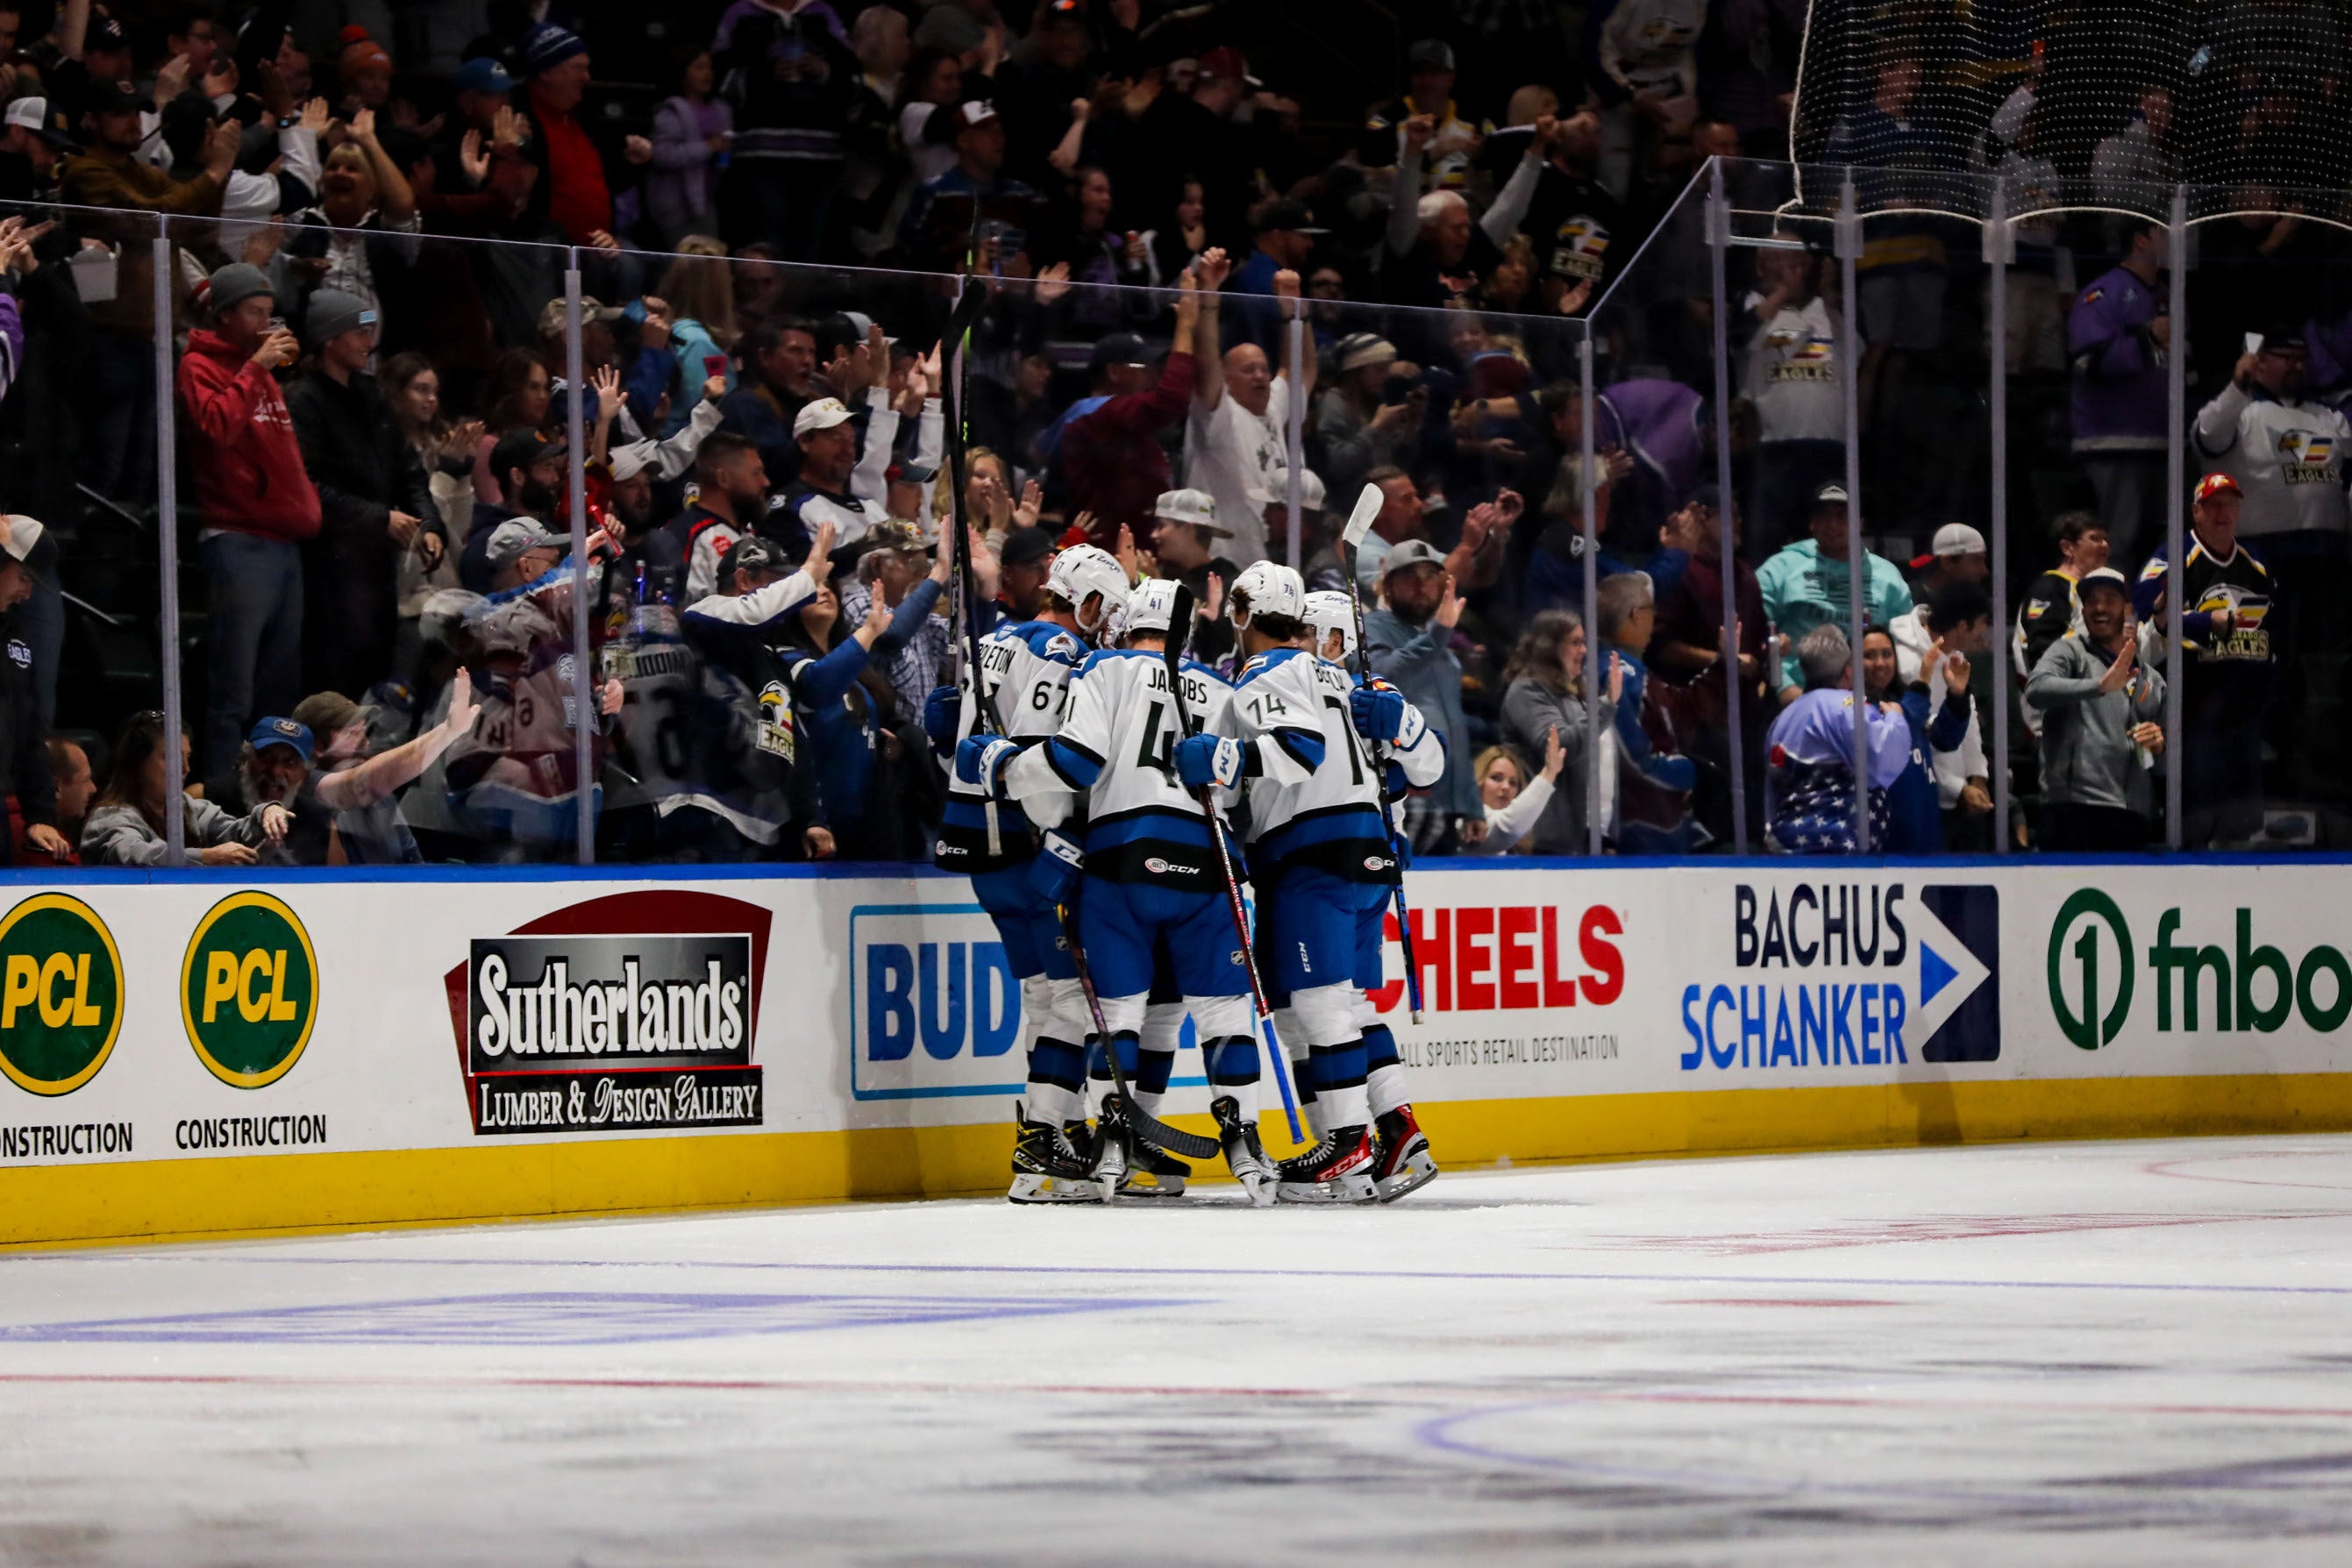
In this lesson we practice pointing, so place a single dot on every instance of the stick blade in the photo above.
(1359, 521)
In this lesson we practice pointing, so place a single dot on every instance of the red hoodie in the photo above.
(248, 470)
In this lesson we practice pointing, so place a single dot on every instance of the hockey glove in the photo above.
(1382, 713)
(1203, 760)
(1054, 874)
(1393, 776)
(980, 760)
(942, 711)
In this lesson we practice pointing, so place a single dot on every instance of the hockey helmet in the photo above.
(1151, 607)
(1081, 571)
(1265, 588)
(1330, 612)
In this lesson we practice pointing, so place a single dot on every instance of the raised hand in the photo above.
(472, 159)
(505, 128)
(317, 117)
(1555, 754)
(1210, 271)
(2119, 674)
(1449, 604)
(463, 709)
(1033, 502)
(607, 382)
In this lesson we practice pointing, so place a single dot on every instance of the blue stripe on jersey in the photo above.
(1260, 663)
(1338, 823)
(1306, 746)
(1077, 766)
(1159, 824)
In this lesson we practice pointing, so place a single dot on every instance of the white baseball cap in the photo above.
(24, 532)
(822, 414)
(1957, 539)
(1195, 506)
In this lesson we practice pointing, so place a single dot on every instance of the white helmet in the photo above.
(1080, 573)
(1330, 612)
(1151, 607)
(1265, 588)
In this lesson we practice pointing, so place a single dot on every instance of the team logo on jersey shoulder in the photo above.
(19, 654)
(775, 731)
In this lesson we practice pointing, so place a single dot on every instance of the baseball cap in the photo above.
(1025, 547)
(971, 111)
(332, 312)
(550, 315)
(521, 449)
(1430, 55)
(1957, 539)
(751, 553)
(281, 733)
(2217, 484)
(631, 458)
(1195, 506)
(24, 533)
(33, 114)
(896, 535)
(819, 414)
(2107, 574)
(911, 472)
(2285, 335)
(1118, 348)
(1287, 214)
(1276, 489)
(1225, 63)
(518, 537)
(1831, 494)
(1412, 552)
(1357, 349)
(485, 75)
(106, 33)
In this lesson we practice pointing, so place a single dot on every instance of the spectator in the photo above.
(128, 819)
(532, 475)
(1654, 779)
(1286, 243)
(822, 493)
(26, 552)
(1808, 756)
(35, 143)
(692, 134)
(1649, 68)
(1806, 585)
(1476, 559)
(1914, 816)
(1437, 254)
(1579, 227)
(839, 722)
(1107, 445)
(344, 801)
(258, 507)
(520, 404)
(1429, 95)
(1544, 709)
(69, 769)
(1790, 376)
(1956, 554)
(1189, 545)
(2100, 733)
(779, 358)
(2118, 337)
(2228, 664)
(575, 189)
(1368, 418)
(2051, 608)
(1513, 802)
(1409, 641)
(1023, 561)
(1688, 649)
(1236, 439)
(375, 499)
(700, 325)
(933, 79)
(975, 198)
(795, 82)
(2287, 453)
(364, 200)
(881, 39)
(894, 564)
(732, 483)
(1934, 646)
(410, 389)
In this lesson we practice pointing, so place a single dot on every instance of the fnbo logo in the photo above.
(249, 990)
(60, 993)
(2090, 947)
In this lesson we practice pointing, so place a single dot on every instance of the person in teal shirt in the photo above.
(1804, 585)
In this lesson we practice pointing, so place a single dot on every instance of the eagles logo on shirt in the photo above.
(2306, 458)
(775, 733)
(1805, 356)
(20, 654)
(2245, 642)
(1578, 247)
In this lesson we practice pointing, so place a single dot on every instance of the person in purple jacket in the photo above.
(2117, 336)
(1809, 756)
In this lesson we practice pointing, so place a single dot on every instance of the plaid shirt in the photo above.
(915, 668)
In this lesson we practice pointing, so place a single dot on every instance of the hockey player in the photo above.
(1150, 868)
(1020, 875)
(1323, 858)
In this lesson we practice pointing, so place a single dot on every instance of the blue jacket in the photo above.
(1915, 811)
(2121, 401)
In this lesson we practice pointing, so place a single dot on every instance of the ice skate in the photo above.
(1338, 1170)
(1153, 1172)
(1044, 1168)
(1244, 1154)
(1401, 1161)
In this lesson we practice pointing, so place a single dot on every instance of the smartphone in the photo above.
(2253, 342)
(713, 365)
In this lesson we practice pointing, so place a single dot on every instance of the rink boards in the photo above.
(187, 1053)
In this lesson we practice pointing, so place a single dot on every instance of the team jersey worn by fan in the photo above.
(2239, 583)
(1024, 684)
(1314, 796)
(1117, 751)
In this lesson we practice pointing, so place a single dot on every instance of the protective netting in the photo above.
(2093, 105)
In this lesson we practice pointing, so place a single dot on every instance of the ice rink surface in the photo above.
(2058, 1353)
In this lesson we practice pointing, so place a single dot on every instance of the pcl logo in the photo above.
(60, 993)
(933, 1007)
(249, 990)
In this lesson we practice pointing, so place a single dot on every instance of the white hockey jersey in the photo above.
(1116, 750)
(1024, 686)
(1331, 814)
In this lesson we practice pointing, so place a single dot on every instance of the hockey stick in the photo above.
(1179, 629)
(972, 298)
(1360, 523)
(1175, 1140)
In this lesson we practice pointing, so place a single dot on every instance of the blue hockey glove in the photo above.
(1054, 874)
(980, 760)
(1209, 760)
(941, 711)
(1378, 714)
